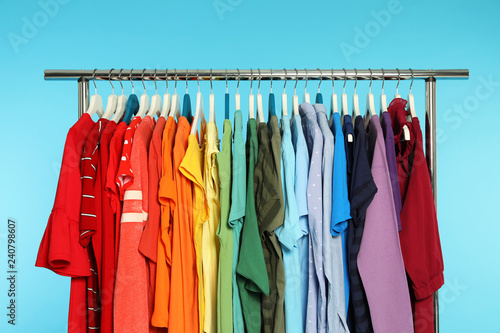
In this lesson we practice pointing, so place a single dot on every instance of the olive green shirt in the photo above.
(269, 205)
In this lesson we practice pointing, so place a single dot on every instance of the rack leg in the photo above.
(430, 152)
(83, 96)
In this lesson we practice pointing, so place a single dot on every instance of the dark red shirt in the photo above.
(419, 236)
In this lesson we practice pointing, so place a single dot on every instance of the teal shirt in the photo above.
(237, 212)
(289, 233)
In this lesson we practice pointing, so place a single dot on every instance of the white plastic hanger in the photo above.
(284, 103)
(211, 115)
(199, 109)
(112, 100)
(251, 99)
(355, 99)
(307, 98)
(95, 105)
(334, 105)
(295, 98)
(370, 100)
(411, 100)
(144, 104)
(166, 100)
(260, 112)
(174, 107)
(237, 96)
(122, 102)
(383, 97)
(406, 130)
(155, 108)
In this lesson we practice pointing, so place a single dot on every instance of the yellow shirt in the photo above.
(192, 168)
(210, 241)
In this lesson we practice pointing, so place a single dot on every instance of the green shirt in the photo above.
(252, 274)
(237, 213)
(269, 204)
(225, 234)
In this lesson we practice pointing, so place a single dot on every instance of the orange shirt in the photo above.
(192, 168)
(167, 195)
(184, 284)
(148, 245)
(131, 292)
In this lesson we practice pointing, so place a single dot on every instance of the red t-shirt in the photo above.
(420, 244)
(125, 175)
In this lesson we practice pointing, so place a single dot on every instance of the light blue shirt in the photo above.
(340, 200)
(301, 176)
(332, 246)
(289, 233)
(316, 299)
(237, 212)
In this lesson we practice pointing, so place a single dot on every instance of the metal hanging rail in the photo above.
(263, 74)
(429, 75)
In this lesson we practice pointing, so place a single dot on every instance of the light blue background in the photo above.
(36, 114)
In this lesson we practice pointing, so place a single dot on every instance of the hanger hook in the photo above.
(333, 83)
(187, 91)
(399, 78)
(109, 79)
(132, 81)
(166, 78)
(296, 80)
(227, 89)
(198, 79)
(371, 79)
(258, 87)
(251, 80)
(238, 84)
(355, 79)
(154, 78)
(411, 84)
(307, 79)
(211, 87)
(120, 78)
(175, 79)
(345, 79)
(383, 80)
(142, 78)
(93, 79)
(320, 79)
(271, 80)
(286, 74)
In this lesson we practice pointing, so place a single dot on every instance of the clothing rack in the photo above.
(430, 76)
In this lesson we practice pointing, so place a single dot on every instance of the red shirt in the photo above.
(125, 175)
(60, 249)
(420, 244)
(115, 153)
(107, 260)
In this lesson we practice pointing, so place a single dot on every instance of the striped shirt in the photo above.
(88, 221)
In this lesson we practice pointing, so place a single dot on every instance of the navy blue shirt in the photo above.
(362, 190)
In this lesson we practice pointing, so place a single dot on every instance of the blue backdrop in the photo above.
(65, 34)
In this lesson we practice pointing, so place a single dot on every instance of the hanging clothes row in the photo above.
(317, 222)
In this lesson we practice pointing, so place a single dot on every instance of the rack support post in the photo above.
(430, 152)
(83, 95)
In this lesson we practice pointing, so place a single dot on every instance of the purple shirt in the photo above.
(316, 297)
(380, 262)
(390, 153)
